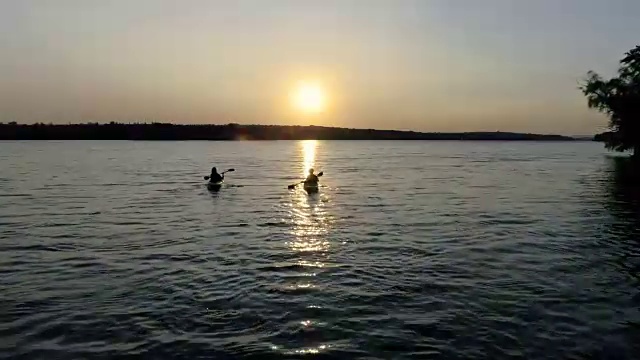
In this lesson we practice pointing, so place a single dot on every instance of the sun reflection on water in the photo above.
(308, 216)
(304, 351)
(308, 155)
(309, 243)
(315, 350)
(308, 246)
(311, 264)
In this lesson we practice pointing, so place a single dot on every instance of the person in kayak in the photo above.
(215, 177)
(312, 179)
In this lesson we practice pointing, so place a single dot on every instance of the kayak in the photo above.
(311, 187)
(214, 186)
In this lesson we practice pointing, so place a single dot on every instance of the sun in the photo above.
(309, 98)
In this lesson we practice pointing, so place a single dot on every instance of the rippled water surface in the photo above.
(480, 250)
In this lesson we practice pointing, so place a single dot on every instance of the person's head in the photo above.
(310, 171)
(213, 170)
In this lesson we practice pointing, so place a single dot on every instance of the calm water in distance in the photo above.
(439, 250)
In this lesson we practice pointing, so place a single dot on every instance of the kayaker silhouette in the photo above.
(311, 179)
(215, 177)
(311, 182)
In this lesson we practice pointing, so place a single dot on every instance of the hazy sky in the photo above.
(430, 65)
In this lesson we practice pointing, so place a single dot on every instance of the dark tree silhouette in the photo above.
(619, 99)
(162, 131)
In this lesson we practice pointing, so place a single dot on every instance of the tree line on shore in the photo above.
(167, 131)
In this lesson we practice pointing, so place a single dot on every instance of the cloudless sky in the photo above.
(427, 65)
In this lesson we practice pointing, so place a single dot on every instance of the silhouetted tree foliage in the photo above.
(619, 99)
(164, 131)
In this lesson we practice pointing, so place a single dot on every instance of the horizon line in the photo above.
(15, 123)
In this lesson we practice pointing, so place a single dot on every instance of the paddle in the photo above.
(293, 186)
(222, 173)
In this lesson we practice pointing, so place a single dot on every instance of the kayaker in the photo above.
(215, 177)
(312, 179)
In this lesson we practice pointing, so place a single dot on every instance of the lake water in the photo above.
(453, 250)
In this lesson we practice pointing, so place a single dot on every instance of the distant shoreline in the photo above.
(231, 132)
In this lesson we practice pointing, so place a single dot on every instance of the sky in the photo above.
(425, 65)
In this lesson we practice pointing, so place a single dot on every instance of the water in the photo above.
(450, 250)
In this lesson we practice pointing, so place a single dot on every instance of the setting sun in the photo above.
(309, 97)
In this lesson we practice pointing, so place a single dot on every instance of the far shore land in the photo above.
(165, 131)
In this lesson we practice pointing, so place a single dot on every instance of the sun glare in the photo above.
(309, 98)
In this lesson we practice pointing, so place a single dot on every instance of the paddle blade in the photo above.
(321, 173)
(291, 187)
(206, 177)
(231, 170)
